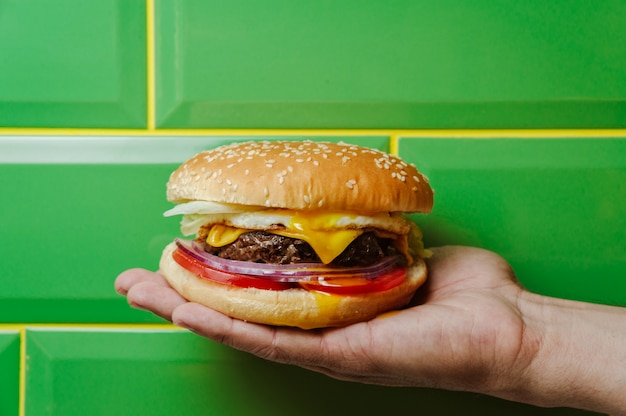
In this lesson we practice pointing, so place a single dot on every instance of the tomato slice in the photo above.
(338, 285)
(234, 279)
(358, 285)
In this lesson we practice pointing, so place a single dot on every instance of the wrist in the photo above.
(576, 354)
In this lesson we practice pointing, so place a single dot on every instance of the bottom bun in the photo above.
(291, 307)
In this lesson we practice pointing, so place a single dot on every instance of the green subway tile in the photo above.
(72, 63)
(555, 208)
(78, 372)
(403, 64)
(70, 229)
(9, 372)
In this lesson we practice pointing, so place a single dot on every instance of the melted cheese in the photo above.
(219, 235)
(319, 230)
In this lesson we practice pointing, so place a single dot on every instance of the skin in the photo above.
(471, 327)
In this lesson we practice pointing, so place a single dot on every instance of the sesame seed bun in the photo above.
(302, 176)
(292, 307)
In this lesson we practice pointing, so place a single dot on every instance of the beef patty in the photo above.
(263, 247)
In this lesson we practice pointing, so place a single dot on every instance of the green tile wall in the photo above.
(324, 64)
(101, 99)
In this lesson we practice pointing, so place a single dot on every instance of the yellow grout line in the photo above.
(22, 385)
(150, 69)
(98, 326)
(394, 145)
(398, 133)
(189, 132)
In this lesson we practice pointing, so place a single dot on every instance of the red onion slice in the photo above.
(285, 272)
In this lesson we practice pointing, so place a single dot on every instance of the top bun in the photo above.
(303, 176)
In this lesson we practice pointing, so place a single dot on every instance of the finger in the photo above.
(245, 336)
(280, 344)
(156, 296)
(129, 278)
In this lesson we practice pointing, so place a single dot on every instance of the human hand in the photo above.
(470, 327)
(463, 330)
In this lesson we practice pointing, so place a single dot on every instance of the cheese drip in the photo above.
(317, 230)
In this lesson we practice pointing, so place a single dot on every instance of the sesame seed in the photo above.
(306, 198)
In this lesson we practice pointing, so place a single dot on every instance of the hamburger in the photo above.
(297, 233)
